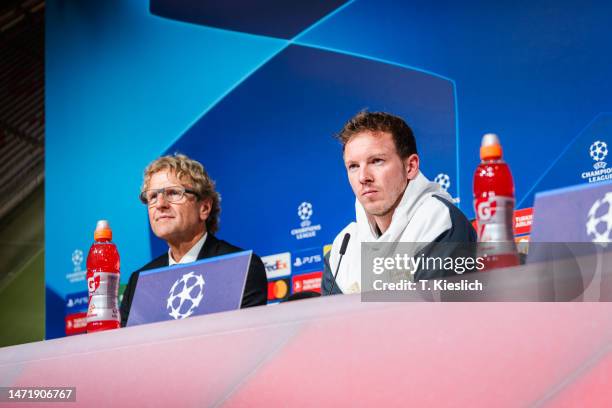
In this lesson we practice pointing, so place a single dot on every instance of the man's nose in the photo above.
(161, 201)
(365, 176)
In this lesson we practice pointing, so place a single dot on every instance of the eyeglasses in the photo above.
(171, 194)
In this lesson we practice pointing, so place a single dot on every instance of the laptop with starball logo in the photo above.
(580, 213)
(571, 242)
(179, 291)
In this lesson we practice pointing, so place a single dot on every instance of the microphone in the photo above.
(345, 241)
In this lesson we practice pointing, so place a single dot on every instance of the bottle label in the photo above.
(494, 216)
(103, 290)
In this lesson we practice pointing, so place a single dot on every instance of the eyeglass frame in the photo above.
(143, 199)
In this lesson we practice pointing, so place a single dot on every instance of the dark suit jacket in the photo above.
(255, 290)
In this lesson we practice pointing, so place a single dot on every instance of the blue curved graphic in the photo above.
(583, 160)
(123, 80)
(273, 18)
(269, 143)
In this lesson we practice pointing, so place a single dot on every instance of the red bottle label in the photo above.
(103, 289)
(494, 216)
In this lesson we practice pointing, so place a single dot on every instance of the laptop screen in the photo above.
(179, 291)
(574, 214)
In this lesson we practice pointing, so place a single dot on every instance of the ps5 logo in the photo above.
(307, 260)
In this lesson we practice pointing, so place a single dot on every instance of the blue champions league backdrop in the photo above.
(255, 91)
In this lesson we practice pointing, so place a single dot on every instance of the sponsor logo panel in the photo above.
(306, 260)
(77, 302)
(522, 221)
(76, 323)
(278, 290)
(307, 282)
(277, 265)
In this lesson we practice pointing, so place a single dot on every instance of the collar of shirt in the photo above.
(191, 255)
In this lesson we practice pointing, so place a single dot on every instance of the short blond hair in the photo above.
(192, 172)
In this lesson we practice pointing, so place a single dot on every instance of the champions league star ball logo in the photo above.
(185, 295)
(443, 180)
(305, 211)
(77, 259)
(599, 222)
(598, 152)
(306, 230)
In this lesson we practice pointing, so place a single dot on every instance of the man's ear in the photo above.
(411, 165)
(205, 208)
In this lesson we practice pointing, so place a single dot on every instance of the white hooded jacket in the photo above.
(420, 218)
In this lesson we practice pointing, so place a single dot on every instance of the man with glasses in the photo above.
(184, 209)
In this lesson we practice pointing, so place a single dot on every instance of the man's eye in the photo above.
(173, 193)
(352, 167)
(378, 161)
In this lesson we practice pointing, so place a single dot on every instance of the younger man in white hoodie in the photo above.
(395, 202)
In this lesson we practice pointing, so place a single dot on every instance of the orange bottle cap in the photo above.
(103, 231)
(490, 147)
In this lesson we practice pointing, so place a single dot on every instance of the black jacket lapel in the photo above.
(210, 247)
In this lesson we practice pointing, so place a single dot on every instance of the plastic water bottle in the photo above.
(103, 281)
(494, 206)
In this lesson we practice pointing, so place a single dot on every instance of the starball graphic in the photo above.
(443, 180)
(599, 221)
(306, 230)
(186, 294)
(77, 259)
(598, 151)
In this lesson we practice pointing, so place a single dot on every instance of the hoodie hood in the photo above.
(418, 218)
(417, 192)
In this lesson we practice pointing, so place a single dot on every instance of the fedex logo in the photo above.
(277, 265)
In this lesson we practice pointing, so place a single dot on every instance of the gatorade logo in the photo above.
(487, 209)
(93, 283)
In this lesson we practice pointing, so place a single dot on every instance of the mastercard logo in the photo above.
(278, 289)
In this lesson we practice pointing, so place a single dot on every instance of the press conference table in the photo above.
(338, 351)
